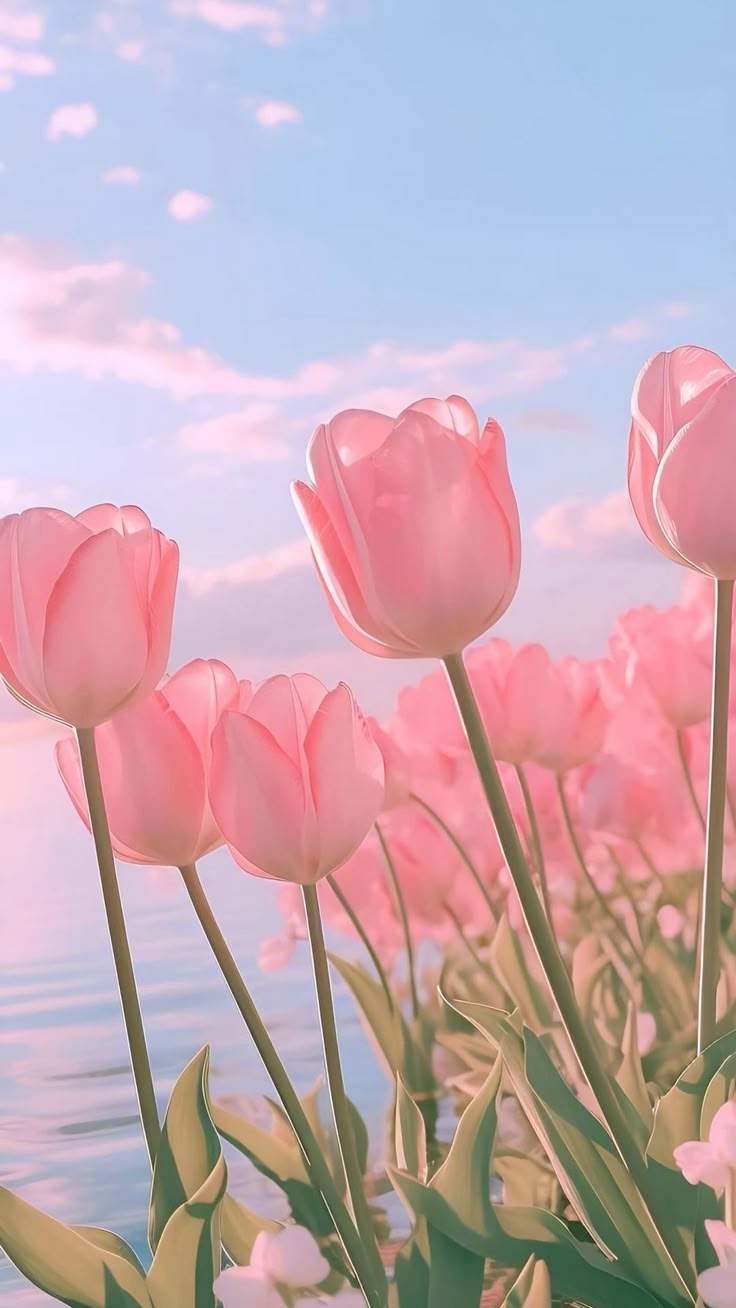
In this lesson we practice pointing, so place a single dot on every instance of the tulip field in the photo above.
(531, 864)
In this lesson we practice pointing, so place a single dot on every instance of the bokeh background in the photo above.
(221, 221)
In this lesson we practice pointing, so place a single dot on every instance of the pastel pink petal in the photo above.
(199, 692)
(310, 692)
(672, 388)
(95, 647)
(277, 707)
(371, 631)
(698, 1163)
(125, 520)
(495, 465)
(723, 1239)
(347, 778)
(454, 413)
(722, 1134)
(695, 487)
(159, 618)
(717, 1286)
(528, 700)
(642, 471)
(66, 754)
(355, 434)
(257, 796)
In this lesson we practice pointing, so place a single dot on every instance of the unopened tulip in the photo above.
(661, 652)
(413, 526)
(86, 605)
(682, 458)
(296, 780)
(154, 762)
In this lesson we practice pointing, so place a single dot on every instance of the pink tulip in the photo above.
(621, 800)
(296, 780)
(666, 654)
(395, 766)
(576, 716)
(717, 1285)
(518, 693)
(682, 458)
(154, 760)
(413, 526)
(86, 606)
(711, 1161)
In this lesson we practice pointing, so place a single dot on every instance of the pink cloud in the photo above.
(71, 120)
(23, 63)
(122, 175)
(253, 568)
(588, 526)
(15, 495)
(273, 112)
(251, 435)
(232, 15)
(20, 24)
(186, 205)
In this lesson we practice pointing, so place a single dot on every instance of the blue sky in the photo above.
(514, 201)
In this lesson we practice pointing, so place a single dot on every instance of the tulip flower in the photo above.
(660, 651)
(245, 1287)
(577, 716)
(154, 762)
(86, 606)
(289, 1257)
(413, 526)
(296, 779)
(682, 458)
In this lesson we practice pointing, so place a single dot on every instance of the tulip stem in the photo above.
(316, 1165)
(462, 851)
(340, 1107)
(119, 942)
(363, 936)
(403, 918)
(710, 910)
(585, 870)
(465, 940)
(556, 973)
(687, 774)
(536, 838)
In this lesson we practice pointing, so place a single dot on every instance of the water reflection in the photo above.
(70, 1142)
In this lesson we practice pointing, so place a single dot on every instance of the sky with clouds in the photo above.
(221, 221)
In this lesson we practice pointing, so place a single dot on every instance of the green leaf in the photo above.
(399, 1048)
(187, 1259)
(509, 964)
(410, 1134)
(239, 1227)
(630, 1076)
(63, 1263)
(455, 1274)
(410, 1285)
(189, 1149)
(532, 1287)
(719, 1092)
(111, 1243)
(528, 1181)
(584, 1157)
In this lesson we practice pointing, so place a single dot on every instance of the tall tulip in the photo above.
(413, 526)
(682, 482)
(154, 763)
(86, 605)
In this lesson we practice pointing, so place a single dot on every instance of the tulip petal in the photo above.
(641, 474)
(199, 692)
(698, 1163)
(125, 519)
(346, 775)
(257, 796)
(695, 487)
(454, 413)
(95, 645)
(717, 1286)
(671, 389)
(160, 614)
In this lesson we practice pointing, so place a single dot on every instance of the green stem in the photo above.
(316, 1165)
(555, 971)
(465, 940)
(335, 1084)
(710, 916)
(580, 860)
(403, 918)
(362, 934)
(536, 838)
(462, 851)
(687, 774)
(119, 941)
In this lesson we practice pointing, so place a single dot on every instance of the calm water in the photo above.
(69, 1138)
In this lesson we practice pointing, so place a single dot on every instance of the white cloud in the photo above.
(15, 495)
(17, 23)
(251, 435)
(271, 113)
(71, 120)
(22, 63)
(589, 526)
(186, 205)
(251, 569)
(122, 175)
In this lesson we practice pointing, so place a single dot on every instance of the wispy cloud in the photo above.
(187, 205)
(250, 570)
(17, 495)
(553, 420)
(23, 63)
(122, 175)
(271, 113)
(254, 434)
(607, 525)
(19, 23)
(273, 22)
(71, 120)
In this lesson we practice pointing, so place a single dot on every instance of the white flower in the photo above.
(289, 1257)
(244, 1287)
(711, 1161)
